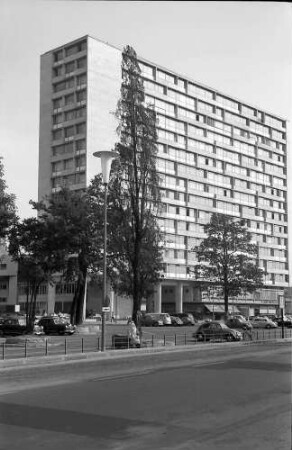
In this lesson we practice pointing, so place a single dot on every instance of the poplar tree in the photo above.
(135, 189)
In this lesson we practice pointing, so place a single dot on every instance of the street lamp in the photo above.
(106, 158)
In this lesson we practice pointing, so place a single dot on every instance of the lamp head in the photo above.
(106, 158)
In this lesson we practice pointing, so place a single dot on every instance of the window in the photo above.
(194, 186)
(80, 161)
(67, 84)
(229, 117)
(149, 86)
(227, 102)
(165, 76)
(58, 56)
(57, 103)
(274, 122)
(81, 96)
(69, 131)
(81, 128)
(69, 99)
(81, 63)
(3, 266)
(204, 107)
(246, 111)
(69, 115)
(147, 71)
(81, 80)
(76, 48)
(57, 118)
(57, 71)
(63, 149)
(57, 134)
(75, 114)
(69, 67)
(200, 92)
(65, 288)
(80, 144)
(200, 146)
(195, 131)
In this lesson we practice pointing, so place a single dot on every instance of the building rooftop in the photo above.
(171, 72)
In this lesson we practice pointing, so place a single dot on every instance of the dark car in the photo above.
(17, 326)
(151, 320)
(238, 322)
(56, 325)
(216, 331)
(286, 321)
(187, 318)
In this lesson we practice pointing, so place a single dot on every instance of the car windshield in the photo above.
(223, 325)
(58, 320)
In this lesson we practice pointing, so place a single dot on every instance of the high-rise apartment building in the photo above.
(216, 154)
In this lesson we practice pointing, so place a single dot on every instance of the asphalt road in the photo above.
(223, 397)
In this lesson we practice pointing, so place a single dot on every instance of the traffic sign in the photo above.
(106, 309)
(281, 301)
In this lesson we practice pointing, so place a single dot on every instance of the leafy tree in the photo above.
(31, 245)
(228, 258)
(134, 190)
(76, 245)
(7, 205)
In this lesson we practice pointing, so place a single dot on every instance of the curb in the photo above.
(126, 353)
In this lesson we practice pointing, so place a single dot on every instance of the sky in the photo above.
(241, 48)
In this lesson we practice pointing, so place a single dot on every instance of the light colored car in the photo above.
(165, 317)
(176, 321)
(262, 322)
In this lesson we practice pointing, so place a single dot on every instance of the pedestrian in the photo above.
(132, 334)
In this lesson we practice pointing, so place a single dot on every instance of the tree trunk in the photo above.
(76, 312)
(226, 295)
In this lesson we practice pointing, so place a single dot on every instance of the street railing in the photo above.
(14, 348)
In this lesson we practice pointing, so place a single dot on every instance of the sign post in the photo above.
(281, 306)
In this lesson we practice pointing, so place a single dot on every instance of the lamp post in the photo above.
(106, 158)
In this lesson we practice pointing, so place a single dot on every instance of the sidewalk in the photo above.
(127, 353)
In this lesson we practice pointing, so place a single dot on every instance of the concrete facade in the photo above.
(216, 153)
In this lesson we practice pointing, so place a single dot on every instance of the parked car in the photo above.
(16, 325)
(155, 319)
(176, 321)
(286, 321)
(238, 322)
(262, 322)
(187, 318)
(55, 324)
(216, 331)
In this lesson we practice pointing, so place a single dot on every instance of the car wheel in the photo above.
(1, 333)
(155, 324)
(268, 327)
(229, 337)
